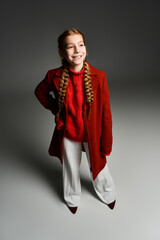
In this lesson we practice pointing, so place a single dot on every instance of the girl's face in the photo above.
(74, 51)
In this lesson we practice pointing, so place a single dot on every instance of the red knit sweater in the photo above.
(75, 129)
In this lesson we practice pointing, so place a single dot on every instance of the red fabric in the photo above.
(60, 124)
(75, 96)
(98, 125)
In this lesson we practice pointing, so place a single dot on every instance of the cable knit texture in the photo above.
(75, 129)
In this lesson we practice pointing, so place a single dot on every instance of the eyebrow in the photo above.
(73, 43)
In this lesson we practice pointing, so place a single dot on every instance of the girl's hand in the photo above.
(59, 124)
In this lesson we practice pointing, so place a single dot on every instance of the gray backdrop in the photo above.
(122, 39)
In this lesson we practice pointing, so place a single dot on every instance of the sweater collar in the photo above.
(93, 71)
(76, 73)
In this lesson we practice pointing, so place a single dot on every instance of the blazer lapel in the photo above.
(57, 76)
(56, 81)
(94, 77)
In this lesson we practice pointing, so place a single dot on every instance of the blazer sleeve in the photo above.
(106, 133)
(42, 93)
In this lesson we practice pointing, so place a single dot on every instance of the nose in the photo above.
(76, 49)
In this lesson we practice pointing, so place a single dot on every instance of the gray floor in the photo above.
(32, 206)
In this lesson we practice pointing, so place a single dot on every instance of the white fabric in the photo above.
(103, 184)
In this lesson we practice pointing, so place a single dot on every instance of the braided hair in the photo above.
(88, 85)
(65, 75)
(62, 86)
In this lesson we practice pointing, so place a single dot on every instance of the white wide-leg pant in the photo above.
(103, 184)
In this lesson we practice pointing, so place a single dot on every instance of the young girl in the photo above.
(81, 106)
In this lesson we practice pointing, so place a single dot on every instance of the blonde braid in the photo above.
(62, 87)
(88, 85)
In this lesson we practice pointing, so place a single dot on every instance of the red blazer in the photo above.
(98, 124)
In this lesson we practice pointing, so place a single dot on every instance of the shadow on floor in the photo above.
(17, 134)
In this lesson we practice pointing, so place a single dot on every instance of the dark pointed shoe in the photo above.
(111, 205)
(73, 209)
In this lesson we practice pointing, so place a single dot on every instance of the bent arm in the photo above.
(42, 93)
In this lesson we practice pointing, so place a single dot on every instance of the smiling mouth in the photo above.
(77, 57)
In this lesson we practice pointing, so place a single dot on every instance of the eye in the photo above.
(69, 47)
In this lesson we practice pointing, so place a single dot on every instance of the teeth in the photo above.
(77, 57)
